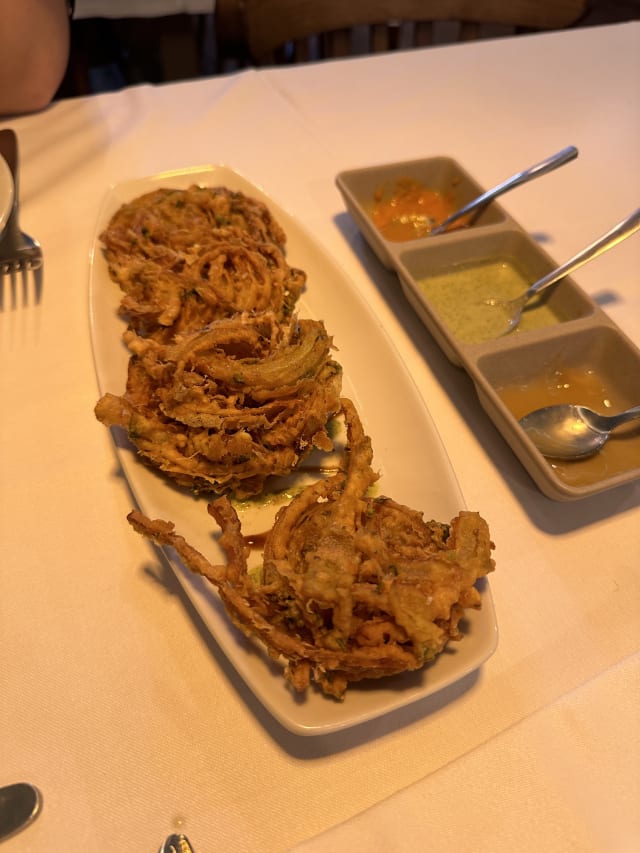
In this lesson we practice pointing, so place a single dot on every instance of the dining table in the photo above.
(118, 701)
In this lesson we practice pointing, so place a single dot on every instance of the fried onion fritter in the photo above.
(222, 409)
(352, 587)
(184, 258)
(165, 216)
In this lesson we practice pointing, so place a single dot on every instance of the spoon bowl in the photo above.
(511, 309)
(567, 431)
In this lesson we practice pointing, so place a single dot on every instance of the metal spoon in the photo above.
(566, 431)
(512, 308)
(176, 844)
(19, 805)
(542, 168)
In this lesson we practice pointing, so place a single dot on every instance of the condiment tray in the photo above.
(566, 349)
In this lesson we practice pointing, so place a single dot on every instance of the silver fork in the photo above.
(19, 253)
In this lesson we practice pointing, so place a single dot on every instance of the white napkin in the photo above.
(572, 768)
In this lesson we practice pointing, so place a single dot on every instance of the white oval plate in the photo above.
(6, 192)
(407, 450)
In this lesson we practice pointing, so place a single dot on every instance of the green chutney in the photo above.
(458, 296)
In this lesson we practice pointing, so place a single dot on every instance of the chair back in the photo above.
(266, 32)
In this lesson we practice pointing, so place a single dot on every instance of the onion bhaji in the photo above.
(184, 258)
(223, 408)
(351, 586)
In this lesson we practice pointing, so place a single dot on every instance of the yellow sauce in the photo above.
(458, 296)
(411, 211)
(583, 386)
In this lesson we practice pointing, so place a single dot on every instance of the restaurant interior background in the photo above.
(138, 43)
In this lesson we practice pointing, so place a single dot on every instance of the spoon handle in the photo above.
(616, 235)
(611, 422)
(542, 168)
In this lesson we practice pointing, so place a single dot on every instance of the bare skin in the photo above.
(34, 52)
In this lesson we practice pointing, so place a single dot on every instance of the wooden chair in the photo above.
(265, 32)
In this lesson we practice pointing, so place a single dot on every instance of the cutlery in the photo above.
(176, 844)
(548, 165)
(19, 805)
(19, 253)
(512, 308)
(566, 431)
(6, 193)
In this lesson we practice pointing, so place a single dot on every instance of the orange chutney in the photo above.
(411, 211)
(584, 386)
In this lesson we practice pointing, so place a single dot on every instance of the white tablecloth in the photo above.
(564, 778)
(115, 699)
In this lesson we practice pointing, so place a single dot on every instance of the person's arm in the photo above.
(34, 52)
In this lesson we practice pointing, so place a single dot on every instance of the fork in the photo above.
(18, 251)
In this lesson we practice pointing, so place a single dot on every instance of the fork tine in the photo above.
(38, 280)
(9, 291)
(24, 277)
